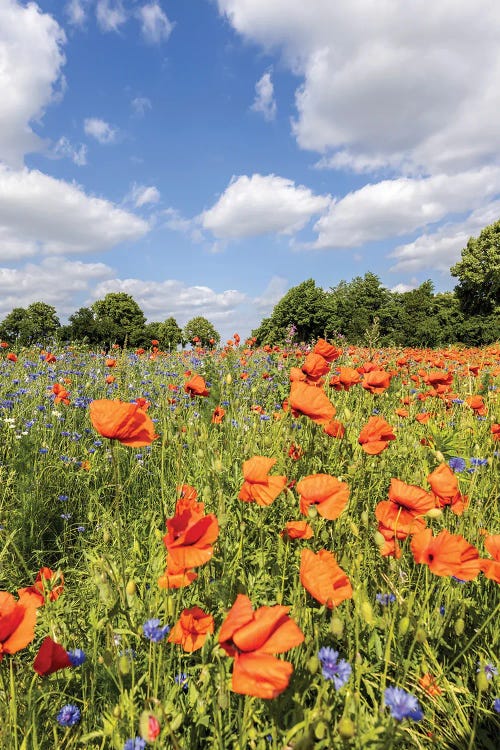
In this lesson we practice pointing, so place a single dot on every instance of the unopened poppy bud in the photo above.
(420, 635)
(434, 513)
(313, 664)
(218, 466)
(439, 456)
(459, 626)
(482, 681)
(367, 613)
(200, 452)
(229, 378)
(131, 588)
(346, 728)
(320, 730)
(365, 518)
(379, 539)
(136, 547)
(106, 536)
(347, 414)
(124, 665)
(149, 726)
(404, 624)
(354, 528)
(117, 712)
(312, 511)
(177, 722)
(337, 627)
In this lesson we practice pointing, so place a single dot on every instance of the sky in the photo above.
(205, 156)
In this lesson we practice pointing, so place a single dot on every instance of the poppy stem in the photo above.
(117, 509)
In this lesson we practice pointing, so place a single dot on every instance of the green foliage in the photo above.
(169, 334)
(305, 307)
(202, 329)
(479, 273)
(38, 322)
(119, 319)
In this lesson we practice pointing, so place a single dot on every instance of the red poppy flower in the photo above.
(48, 586)
(495, 431)
(253, 638)
(326, 492)
(258, 485)
(196, 386)
(446, 554)
(491, 568)
(297, 530)
(345, 378)
(122, 421)
(376, 381)
(311, 401)
(375, 435)
(429, 683)
(17, 623)
(334, 428)
(190, 534)
(51, 656)
(444, 485)
(323, 578)
(326, 350)
(61, 394)
(403, 510)
(295, 452)
(315, 366)
(477, 404)
(191, 629)
(11, 357)
(218, 415)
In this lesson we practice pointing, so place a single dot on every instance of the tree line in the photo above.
(357, 310)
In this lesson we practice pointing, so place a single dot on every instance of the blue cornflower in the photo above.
(181, 679)
(69, 715)
(136, 743)
(385, 599)
(77, 657)
(43, 450)
(63, 498)
(457, 464)
(479, 461)
(489, 670)
(496, 705)
(154, 631)
(65, 516)
(403, 705)
(332, 668)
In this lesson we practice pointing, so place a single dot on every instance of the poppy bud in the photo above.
(320, 730)
(367, 613)
(117, 712)
(482, 681)
(404, 624)
(131, 588)
(313, 664)
(365, 518)
(149, 726)
(420, 635)
(347, 414)
(218, 465)
(459, 626)
(106, 536)
(229, 378)
(434, 513)
(337, 627)
(346, 728)
(200, 452)
(312, 511)
(354, 528)
(439, 456)
(124, 665)
(379, 539)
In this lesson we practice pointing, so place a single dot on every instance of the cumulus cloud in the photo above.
(64, 148)
(75, 12)
(403, 205)
(31, 61)
(101, 130)
(261, 204)
(264, 101)
(110, 14)
(441, 249)
(387, 83)
(140, 105)
(271, 295)
(141, 195)
(55, 281)
(59, 217)
(162, 299)
(155, 25)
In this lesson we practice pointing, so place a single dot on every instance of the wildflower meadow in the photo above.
(249, 547)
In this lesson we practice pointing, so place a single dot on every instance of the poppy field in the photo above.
(250, 547)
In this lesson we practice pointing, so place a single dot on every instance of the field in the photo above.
(153, 538)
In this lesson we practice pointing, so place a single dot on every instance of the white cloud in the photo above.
(64, 148)
(55, 281)
(259, 204)
(271, 295)
(400, 206)
(59, 217)
(389, 83)
(140, 105)
(100, 130)
(402, 288)
(264, 101)
(441, 249)
(110, 14)
(155, 25)
(75, 12)
(31, 59)
(162, 299)
(141, 195)
(178, 223)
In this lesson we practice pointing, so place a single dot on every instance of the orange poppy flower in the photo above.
(196, 386)
(334, 428)
(446, 554)
(326, 350)
(122, 421)
(176, 579)
(495, 431)
(438, 377)
(423, 417)
(491, 568)
(477, 404)
(110, 362)
(401, 512)
(326, 492)
(253, 637)
(297, 530)
(48, 586)
(51, 657)
(345, 378)
(258, 485)
(17, 623)
(218, 415)
(375, 435)
(189, 537)
(61, 394)
(402, 413)
(311, 401)
(444, 485)
(295, 452)
(323, 578)
(110, 379)
(296, 375)
(191, 629)
(429, 683)
(11, 357)
(376, 381)
(315, 366)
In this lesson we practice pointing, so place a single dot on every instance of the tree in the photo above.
(38, 323)
(202, 329)
(169, 334)
(305, 307)
(355, 305)
(478, 272)
(13, 325)
(82, 327)
(119, 319)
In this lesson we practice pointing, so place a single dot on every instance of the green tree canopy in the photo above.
(38, 323)
(305, 307)
(119, 319)
(169, 334)
(478, 273)
(202, 328)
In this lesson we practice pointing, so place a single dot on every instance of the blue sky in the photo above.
(207, 155)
